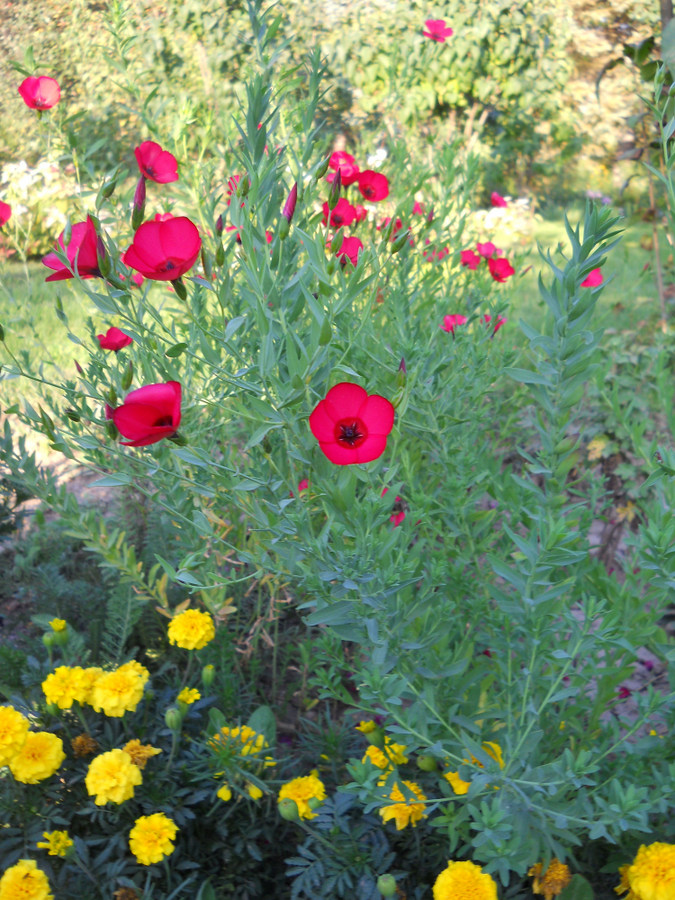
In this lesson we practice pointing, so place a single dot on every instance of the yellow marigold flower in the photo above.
(84, 745)
(651, 875)
(460, 786)
(404, 812)
(112, 777)
(366, 727)
(556, 877)
(140, 753)
(595, 448)
(253, 791)
(242, 739)
(302, 790)
(25, 881)
(58, 624)
(151, 838)
(188, 696)
(117, 692)
(623, 886)
(191, 629)
(224, 793)
(13, 730)
(40, 756)
(134, 666)
(464, 880)
(391, 755)
(66, 685)
(56, 843)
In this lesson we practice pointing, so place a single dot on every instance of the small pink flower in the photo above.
(452, 321)
(487, 249)
(623, 692)
(593, 279)
(500, 268)
(497, 199)
(469, 259)
(40, 92)
(437, 30)
(5, 213)
(487, 318)
(114, 339)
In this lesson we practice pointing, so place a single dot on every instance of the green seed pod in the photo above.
(127, 376)
(400, 242)
(49, 639)
(288, 809)
(386, 885)
(208, 675)
(335, 189)
(73, 415)
(326, 332)
(173, 718)
(220, 254)
(336, 243)
(427, 763)
(323, 168)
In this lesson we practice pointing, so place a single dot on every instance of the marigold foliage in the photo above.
(191, 629)
(40, 756)
(56, 843)
(13, 731)
(24, 881)
(112, 777)
(151, 838)
(302, 790)
(464, 880)
(404, 812)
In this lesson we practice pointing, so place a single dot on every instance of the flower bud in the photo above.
(244, 186)
(2, 333)
(112, 398)
(173, 718)
(206, 264)
(427, 763)
(323, 168)
(52, 709)
(284, 229)
(335, 188)
(376, 738)
(288, 809)
(61, 637)
(336, 243)
(289, 205)
(208, 675)
(128, 376)
(138, 210)
(73, 415)
(220, 254)
(386, 885)
(314, 803)
(180, 288)
(109, 186)
(326, 332)
(178, 439)
(219, 225)
(400, 241)
(49, 639)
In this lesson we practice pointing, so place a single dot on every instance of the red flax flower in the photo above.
(373, 185)
(156, 164)
(5, 213)
(350, 249)
(148, 414)
(40, 92)
(500, 268)
(487, 249)
(345, 164)
(114, 339)
(497, 200)
(350, 425)
(593, 279)
(82, 253)
(343, 213)
(487, 318)
(163, 251)
(451, 322)
(437, 30)
(469, 259)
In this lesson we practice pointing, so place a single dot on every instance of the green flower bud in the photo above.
(336, 243)
(376, 738)
(173, 718)
(284, 228)
(52, 709)
(335, 189)
(386, 885)
(127, 376)
(220, 255)
(326, 332)
(73, 415)
(314, 803)
(288, 809)
(427, 763)
(180, 288)
(49, 639)
(208, 675)
(323, 168)
(178, 439)
(400, 242)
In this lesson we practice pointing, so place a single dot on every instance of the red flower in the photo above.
(500, 268)
(343, 213)
(497, 200)
(487, 318)
(114, 339)
(398, 225)
(163, 217)
(345, 164)
(350, 249)
(5, 213)
(350, 425)
(487, 249)
(418, 209)
(437, 30)
(451, 322)
(40, 92)
(156, 164)
(361, 212)
(163, 251)
(431, 255)
(148, 414)
(373, 185)
(593, 279)
(469, 259)
(303, 485)
(398, 515)
(82, 253)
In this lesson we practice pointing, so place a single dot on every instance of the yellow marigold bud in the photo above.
(112, 777)
(151, 838)
(253, 791)
(191, 629)
(365, 727)
(58, 624)
(24, 881)
(208, 674)
(288, 809)
(303, 790)
(13, 731)
(40, 756)
(56, 843)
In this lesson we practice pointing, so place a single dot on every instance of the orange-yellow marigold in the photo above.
(191, 629)
(13, 731)
(405, 811)
(464, 880)
(112, 777)
(40, 756)
(24, 881)
(556, 877)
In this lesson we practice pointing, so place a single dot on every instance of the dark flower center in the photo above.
(168, 266)
(149, 171)
(163, 422)
(350, 432)
(368, 191)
